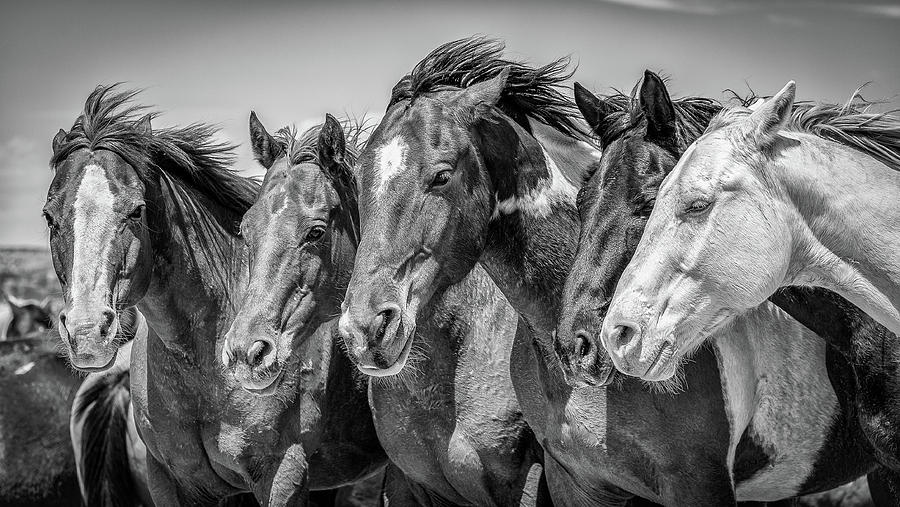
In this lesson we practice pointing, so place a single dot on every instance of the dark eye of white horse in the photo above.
(698, 206)
(315, 233)
(440, 179)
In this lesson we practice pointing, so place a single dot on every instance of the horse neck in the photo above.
(196, 266)
(530, 250)
(847, 206)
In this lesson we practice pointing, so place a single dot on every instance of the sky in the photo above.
(292, 62)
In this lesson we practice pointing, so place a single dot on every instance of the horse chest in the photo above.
(780, 415)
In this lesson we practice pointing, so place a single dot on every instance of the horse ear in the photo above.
(771, 116)
(657, 107)
(143, 125)
(332, 144)
(58, 140)
(265, 148)
(594, 110)
(485, 94)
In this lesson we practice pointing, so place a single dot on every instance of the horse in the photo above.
(150, 219)
(21, 317)
(37, 467)
(311, 403)
(453, 439)
(454, 178)
(775, 196)
(795, 422)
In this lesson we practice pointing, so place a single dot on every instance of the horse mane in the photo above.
(692, 115)
(529, 91)
(852, 124)
(189, 155)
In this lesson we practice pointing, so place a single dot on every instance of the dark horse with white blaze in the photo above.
(765, 354)
(452, 426)
(150, 219)
(461, 172)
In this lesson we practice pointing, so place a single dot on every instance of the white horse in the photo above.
(777, 195)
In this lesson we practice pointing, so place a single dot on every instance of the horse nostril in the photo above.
(62, 318)
(583, 346)
(623, 334)
(257, 351)
(381, 323)
(107, 319)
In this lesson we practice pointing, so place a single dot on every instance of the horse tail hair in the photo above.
(99, 431)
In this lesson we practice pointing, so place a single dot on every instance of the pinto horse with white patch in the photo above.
(782, 408)
(150, 219)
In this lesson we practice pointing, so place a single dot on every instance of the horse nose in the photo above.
(260, 352)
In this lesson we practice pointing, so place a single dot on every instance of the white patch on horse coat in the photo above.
(94, 223)
(390, 160)
(540, 200)
(6, 318)
(776, 387)
(25, 368)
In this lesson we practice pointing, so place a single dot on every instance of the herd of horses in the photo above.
(465, 299)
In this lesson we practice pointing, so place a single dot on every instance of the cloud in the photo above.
(714, 7)
(687, 6)
(26, 177)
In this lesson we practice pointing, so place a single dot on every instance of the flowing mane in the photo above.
(304, 148)
(189, 155)
(851, 124)
(529, 92)
(692, 115)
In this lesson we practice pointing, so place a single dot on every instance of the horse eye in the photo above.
(698, 206)
(441, 178)
(315, 233)
(50, 223)
(137, 213)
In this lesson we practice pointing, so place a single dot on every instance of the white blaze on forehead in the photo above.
(540, 200)
(390, 160)
(93, 231)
